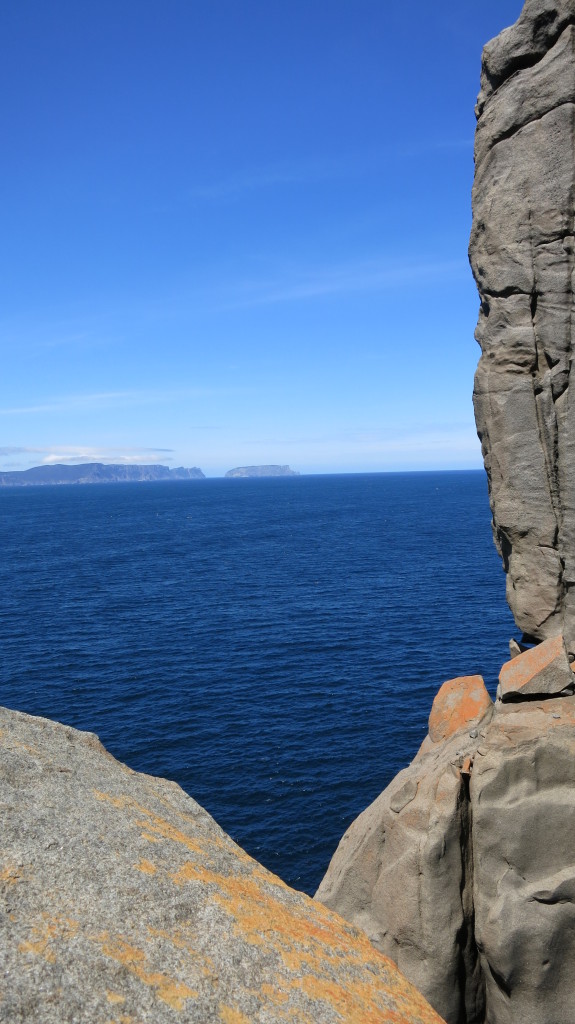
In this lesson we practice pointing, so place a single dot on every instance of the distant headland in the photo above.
(95, 473)
(244, 471)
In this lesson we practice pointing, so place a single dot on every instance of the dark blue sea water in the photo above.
(272, 645)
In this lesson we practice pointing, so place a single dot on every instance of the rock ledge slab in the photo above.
(123, 902)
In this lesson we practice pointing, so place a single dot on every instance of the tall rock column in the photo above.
(522, 256)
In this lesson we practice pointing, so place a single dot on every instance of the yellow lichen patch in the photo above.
(116, 801)
(11, 874)
(231, 1016)
(115, 997)
(180, 939)
(155, 827)
(26, 746)
(171, 991)
(313, 945)
(146, 867)
(164, 830)
(45, 933)
(271, 993)
(150, 838)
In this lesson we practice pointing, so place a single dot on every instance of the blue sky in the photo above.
(236, 232)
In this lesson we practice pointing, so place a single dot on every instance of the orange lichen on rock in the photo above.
(46, 933)
(146, 867)
(542, 670)
(171, 991)
(459, 704)
(231, 1016)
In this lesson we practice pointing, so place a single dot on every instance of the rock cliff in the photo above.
(123, 902)
(463, 870)
(522, 255)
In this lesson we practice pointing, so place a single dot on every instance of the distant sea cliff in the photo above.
(95, 473)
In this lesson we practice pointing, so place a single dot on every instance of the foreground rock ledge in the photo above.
(123, 902)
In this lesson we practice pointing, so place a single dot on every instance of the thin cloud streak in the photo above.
(107, 399)
(348, 279)
(311, 172)
(50, 455)
(75, 455)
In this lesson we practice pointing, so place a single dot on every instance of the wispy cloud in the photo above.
(297, 172)
(316, 170)
(74, 454)
(108, 399)
(374, 275)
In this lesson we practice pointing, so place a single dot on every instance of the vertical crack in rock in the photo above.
(542, 391)
(471, 981)
(564, 401)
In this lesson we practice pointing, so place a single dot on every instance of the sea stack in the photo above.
(522, 256)
(463, 870)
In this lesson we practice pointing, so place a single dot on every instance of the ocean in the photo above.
(272, 645)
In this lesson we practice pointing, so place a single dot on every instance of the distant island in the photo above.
(244, 471)
(95, 473)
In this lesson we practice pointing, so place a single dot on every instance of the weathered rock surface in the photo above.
(463, 870)
(522, 254)
(542, 671)
(123, 902)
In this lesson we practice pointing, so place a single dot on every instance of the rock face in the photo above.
(463, 870)
(522, 255)
(123, 902)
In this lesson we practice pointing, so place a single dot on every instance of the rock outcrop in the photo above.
(123, 902)
(463, 870)
(522, 254)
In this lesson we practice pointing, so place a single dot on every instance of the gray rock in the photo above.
(471, 887)
(123, 902)
(522, 254)
(523, 807)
